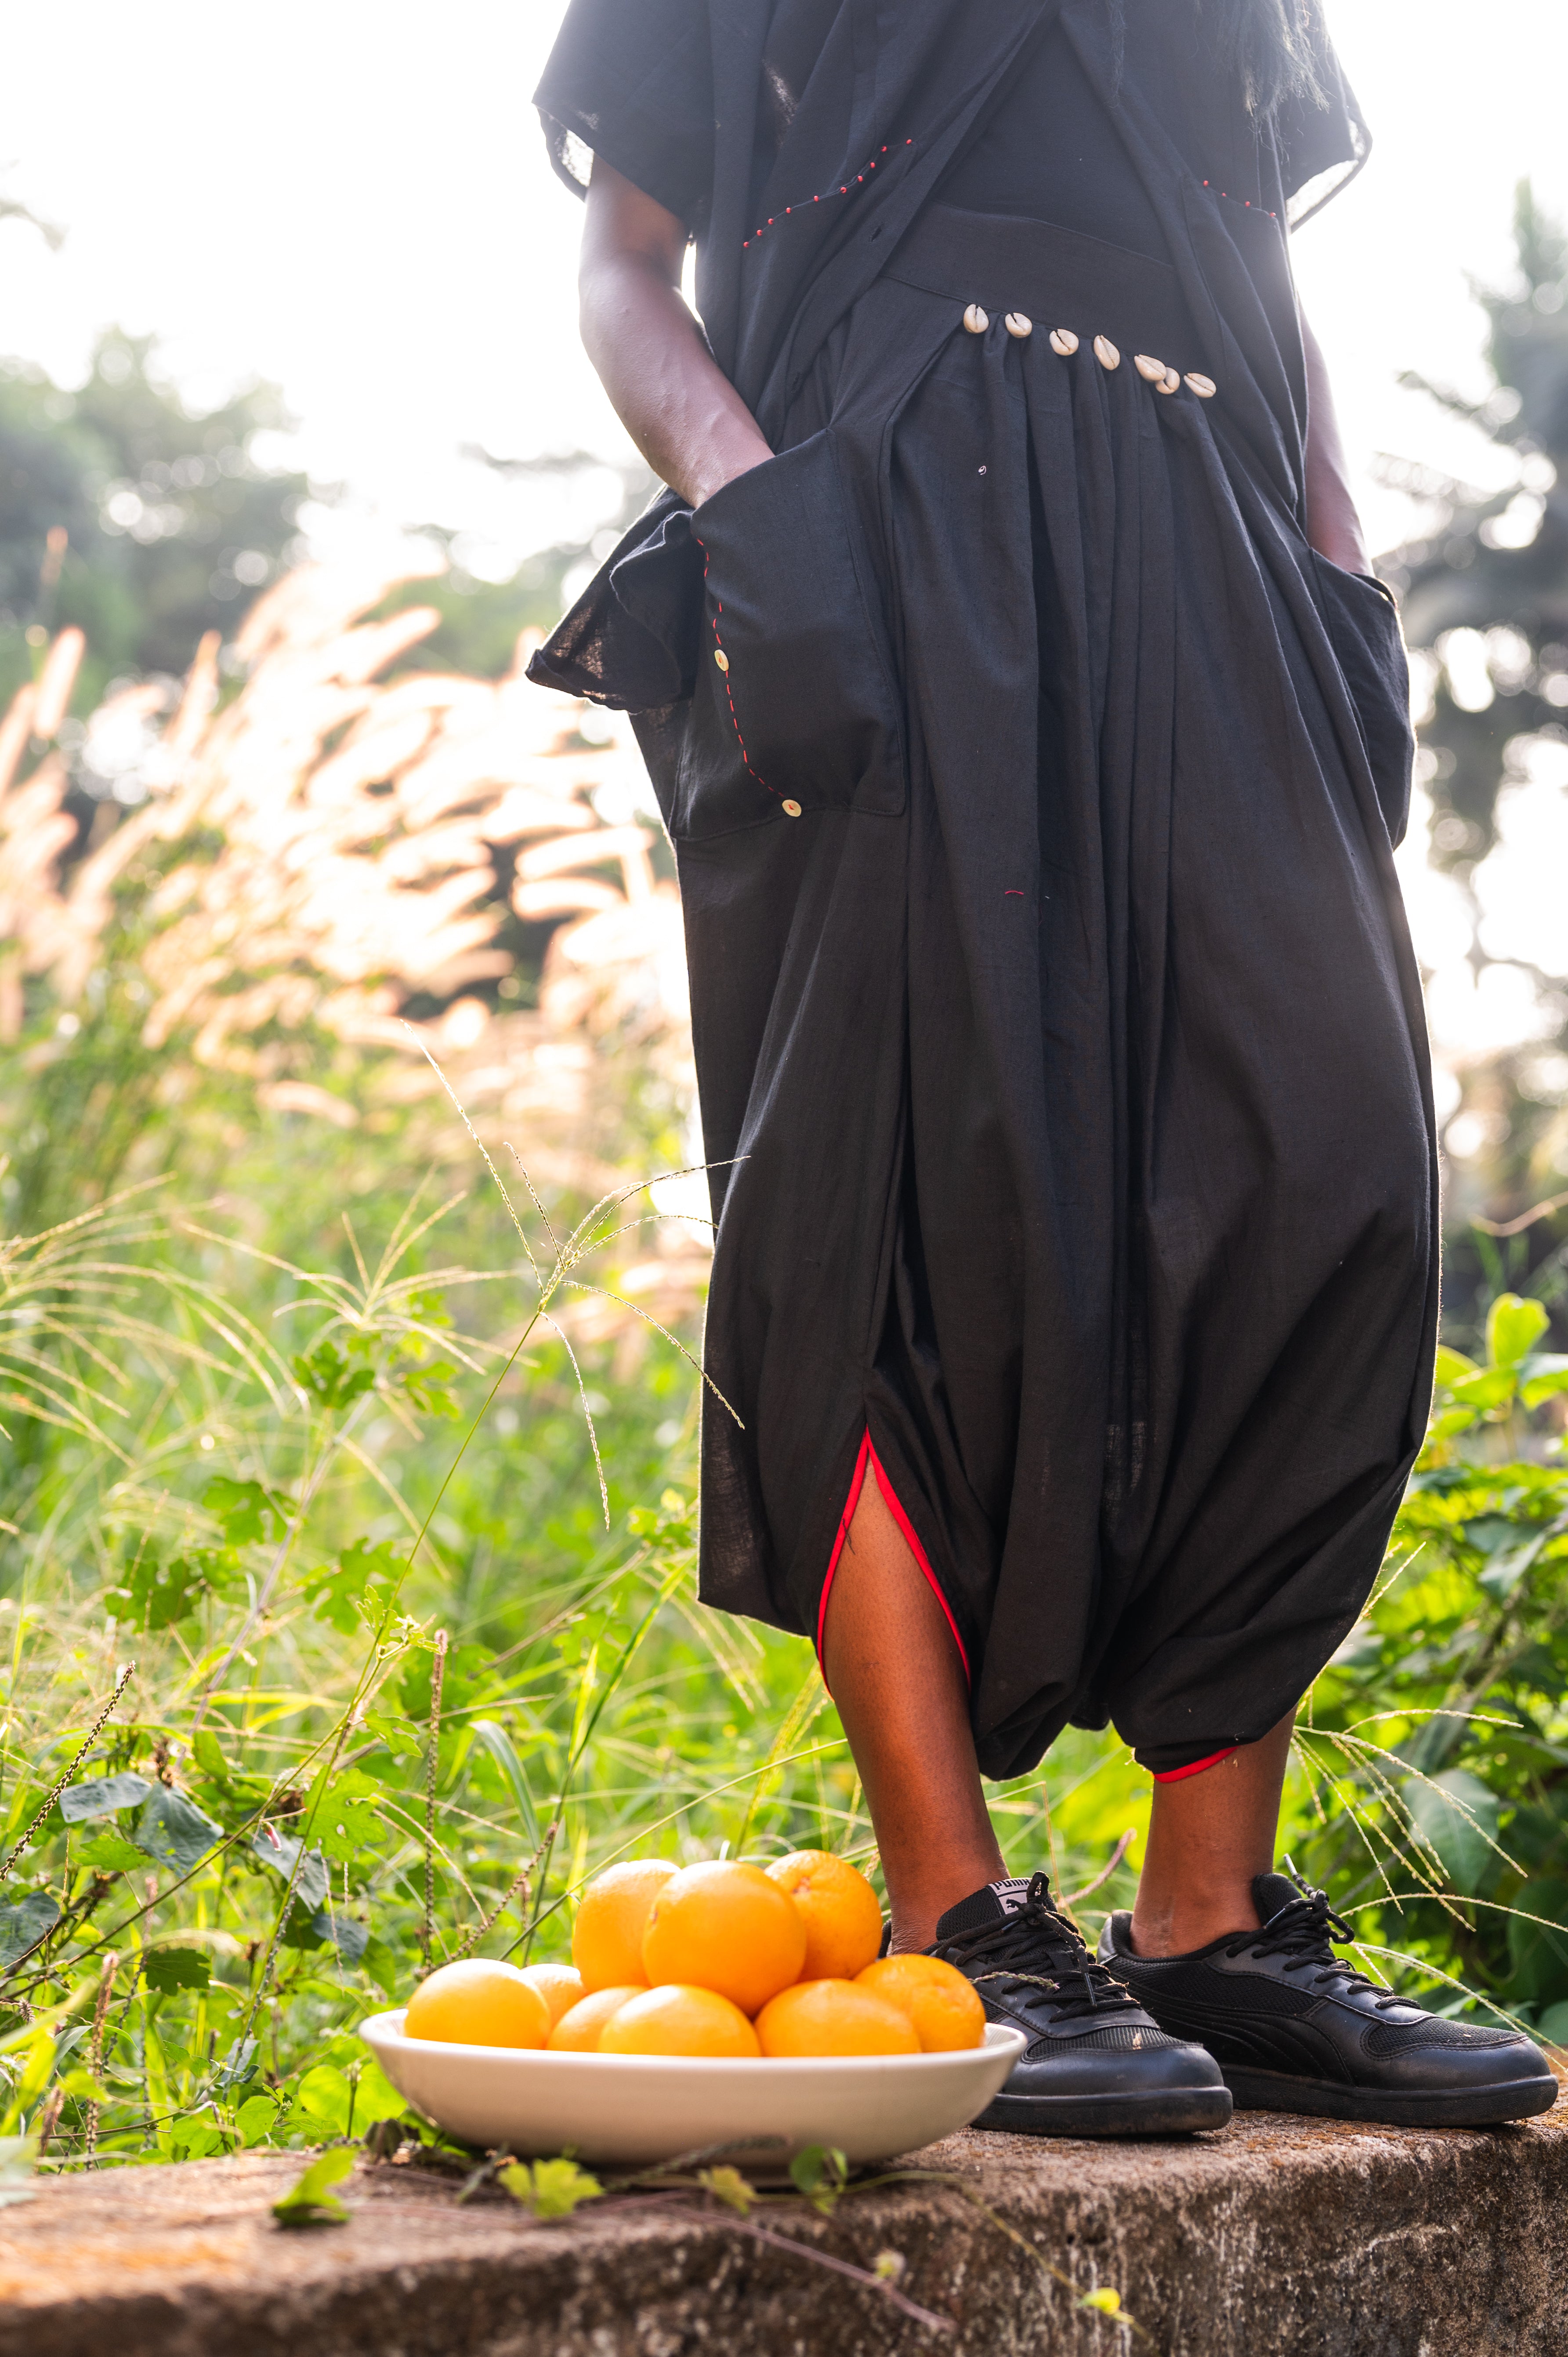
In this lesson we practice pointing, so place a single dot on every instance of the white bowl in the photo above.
(649, 2107)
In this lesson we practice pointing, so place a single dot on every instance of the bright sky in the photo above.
(353, 201)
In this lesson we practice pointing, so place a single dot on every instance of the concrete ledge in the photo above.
(1277, 2239)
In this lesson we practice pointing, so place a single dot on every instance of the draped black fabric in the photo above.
(1033, 787)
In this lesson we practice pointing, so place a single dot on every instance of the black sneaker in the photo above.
(1296, 2030)
(1095, 2064)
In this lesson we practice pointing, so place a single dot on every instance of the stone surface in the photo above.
(1278, 2238)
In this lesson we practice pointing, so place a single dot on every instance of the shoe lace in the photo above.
(1303, 1931)
(1040, 1948)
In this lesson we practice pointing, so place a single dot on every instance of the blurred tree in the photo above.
(482, 619)
(170, 522)
(1485, 592)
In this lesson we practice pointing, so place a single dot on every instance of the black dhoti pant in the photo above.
(1060, 1047)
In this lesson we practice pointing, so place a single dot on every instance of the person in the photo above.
(1033, 739)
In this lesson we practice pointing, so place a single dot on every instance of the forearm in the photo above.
(1333, 525)
(668, 392)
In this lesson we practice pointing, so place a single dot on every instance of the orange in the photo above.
(559, 1985)
(724, 1926)
(936, 1998)
(673, 2020)
(606, 1941)
(842, 1914)
(478, 2003)
(578, 2030)
(833, 2017)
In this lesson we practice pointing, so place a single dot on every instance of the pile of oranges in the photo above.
(724, 1960)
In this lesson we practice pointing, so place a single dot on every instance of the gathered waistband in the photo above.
(1056, 277)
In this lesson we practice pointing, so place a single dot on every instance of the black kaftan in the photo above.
(1033, 785)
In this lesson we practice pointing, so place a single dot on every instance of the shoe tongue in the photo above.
(992, 1903)
(1269, 1893)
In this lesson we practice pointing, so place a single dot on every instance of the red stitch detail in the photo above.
(1011, 892)
(729, 691)
(858, 181)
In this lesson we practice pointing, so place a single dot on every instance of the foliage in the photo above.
(166, 523)
(1485, 589)
(1440, 1731)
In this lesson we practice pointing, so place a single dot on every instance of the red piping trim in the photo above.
(868, 1456)
(1195, 1767)
(850, 1502)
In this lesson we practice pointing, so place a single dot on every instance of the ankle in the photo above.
(1174, 1925)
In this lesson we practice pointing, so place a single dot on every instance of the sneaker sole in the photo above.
(1437, 2108)
(1165, 2110)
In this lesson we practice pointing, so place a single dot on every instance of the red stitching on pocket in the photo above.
(735, 716)
(842, 191)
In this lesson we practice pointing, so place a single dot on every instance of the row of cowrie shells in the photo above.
(1063, 341)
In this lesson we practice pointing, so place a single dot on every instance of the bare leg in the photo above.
(1209, 1836)
(899, 1686)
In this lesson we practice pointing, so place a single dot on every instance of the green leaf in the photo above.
(428, 1389)
(237, 2066)
(728, 2186)
(162, 1594)
(24, 1924)
(177, 1968)
(175, 1831)
(279, 1851)
(1539, 1950)
(1540, 1377)
(357, 1586)
(1456, 1816)
(248, 1512)
(1513, 1328)
(1487, 1388)
(551, 2189)
(254, 2118)
(101, 1797)
(342, 1932)
(348, 1815)
(109, 1853)
(325, 2098)
(1451, 1365)
(1488, 1532)
(375, 2097)
(330, 1377)
(491, 1736)
(401, 1739)
(821, 2172)
(312, 2201)
(384, 1966)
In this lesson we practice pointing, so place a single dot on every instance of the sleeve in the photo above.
(632, 81)
(1321, 136)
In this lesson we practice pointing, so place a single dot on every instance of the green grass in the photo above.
(405, 1676)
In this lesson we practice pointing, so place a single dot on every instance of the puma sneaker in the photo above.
(1095, 2065)
(1295, 2028)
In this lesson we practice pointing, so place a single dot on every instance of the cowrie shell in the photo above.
(1106, 353)
(976, 320)
(1204, 386)
(1152, 371)
(1064, 341)
(1018, 323)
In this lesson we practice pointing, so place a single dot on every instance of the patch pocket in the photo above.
(793, 710)
(1364, 630)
